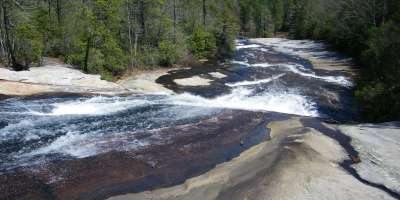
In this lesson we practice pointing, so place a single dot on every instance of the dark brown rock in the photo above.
(193, 150)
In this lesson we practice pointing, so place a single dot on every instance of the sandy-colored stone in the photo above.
(329, 64)
(145, 82)
(315, 52)
(20, 89)
(54, 78)
(298, 163)
(193, 81)
(379, 147)
(218, 75)
(62, 75)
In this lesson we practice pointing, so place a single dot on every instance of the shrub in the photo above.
(114, 58)
(28, 45)
(225, 45)
(203, 44)
(379, 102)
(168, 53)
(379, 86)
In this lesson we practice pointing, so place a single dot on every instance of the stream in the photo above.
(260, 77)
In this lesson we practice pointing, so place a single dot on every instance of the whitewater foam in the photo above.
(244, 63)
(276, 100)
(68, 127)
(250, 46)
(300, 48)
(94, 106)
(293, 47)
(72, 144)
(256, 82)
(81, 145)
(300, 70)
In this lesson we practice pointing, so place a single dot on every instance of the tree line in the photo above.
(111, 36)
(369, 31)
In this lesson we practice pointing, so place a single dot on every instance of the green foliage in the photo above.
(382, 55)
(106, 36)
(227, 27)
(168, 53)
(225, 46)
(114, 57)
(92, 45)
(29, 47)
(379, 87)
(203, 44)
(370, 32)
(260, 18)
(149, 57)
(379, 102)
(277, 10)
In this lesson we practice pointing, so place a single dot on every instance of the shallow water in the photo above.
(34, 131)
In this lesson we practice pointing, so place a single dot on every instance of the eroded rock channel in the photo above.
(264, 125)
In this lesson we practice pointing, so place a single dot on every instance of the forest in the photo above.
(110, 37)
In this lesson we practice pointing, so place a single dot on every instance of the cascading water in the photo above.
(33, 131)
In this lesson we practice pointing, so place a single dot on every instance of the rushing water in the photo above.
(36, 130)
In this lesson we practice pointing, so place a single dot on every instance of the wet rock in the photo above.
(191, 150)
(281, 168)
(193, 81)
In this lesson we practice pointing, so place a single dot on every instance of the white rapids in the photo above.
(293, 47)
(300, 70)
(98, 105)
(85, 126)
(256, 82)
(276, 100)
(242, 98)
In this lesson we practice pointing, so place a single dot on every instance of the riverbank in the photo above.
(316, 53)
(254, 127)
(54, 78)
(299, 162)
(234, 155)
(63, 78)
(175, 154)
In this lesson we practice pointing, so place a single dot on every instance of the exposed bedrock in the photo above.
(379, 148)
(186, 151)
(202, 133)
(299, 162)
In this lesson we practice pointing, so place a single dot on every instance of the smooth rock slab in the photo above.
(297, 163)
(54, 78)
(189, 150)
(379, 147)
(193, 81)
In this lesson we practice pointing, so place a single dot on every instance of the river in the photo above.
(263, 78)
(37, 129)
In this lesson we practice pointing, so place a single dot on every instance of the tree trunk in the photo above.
(136, 42)
(2, 45)
(128, 10)
(58, 5)
(86, 61)
(10, 50)
(374, 12)
(264, 26)
(49, 7)
(142, 18)
(174, 13)
(204, 13)
(384, 11)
